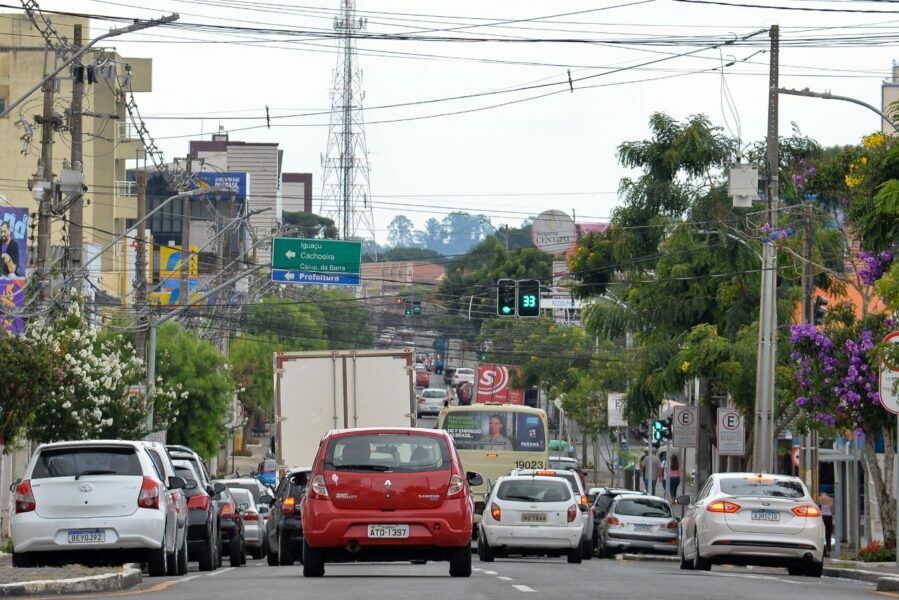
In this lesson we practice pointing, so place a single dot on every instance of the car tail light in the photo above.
(198, 502)
(421, 400)
(24, 497)
(572, 513)
(250, 516)
(546, 473)
(672, 524)
(149, 494)
(319, 489)
(495, 512)
(456, 486)
(227, 511)
(290, 506)
(723, 506)
(613, 520)
(809, 510)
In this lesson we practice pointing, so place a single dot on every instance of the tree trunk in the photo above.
(247, 430)
(707, 424)
(883, 484)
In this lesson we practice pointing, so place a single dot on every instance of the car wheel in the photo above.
(273, 558)
(685, 565)
(699, 563)
(285, 555)
(814, 569)
(586, 549)
(575, 555)
(182, 557)
(218, 551)
(602, 551)
(171, 561)
(156, 561)
(207, 559)
(485, 552)
(234, 552)
(23, 560)
(796, 570)
(243, 551)
(460, 562)
(313, 561)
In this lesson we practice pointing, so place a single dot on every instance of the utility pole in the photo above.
(763, 461)
(184, 293)
(76, 212)
(46, 201)
(808, 316)
(140, 267)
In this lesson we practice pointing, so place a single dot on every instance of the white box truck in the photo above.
(338, 389)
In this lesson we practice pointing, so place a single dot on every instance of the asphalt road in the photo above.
(512, 578)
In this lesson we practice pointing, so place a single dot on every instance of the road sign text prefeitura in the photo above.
(332, 261)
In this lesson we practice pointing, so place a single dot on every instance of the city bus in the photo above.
(492, 439)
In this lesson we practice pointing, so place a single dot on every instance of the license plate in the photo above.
(765, 515)
(388, 531)
(533, 517)
(642, 527)
(86, 536)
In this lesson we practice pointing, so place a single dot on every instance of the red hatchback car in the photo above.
(387, 494)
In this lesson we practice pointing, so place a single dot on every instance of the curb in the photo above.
(109, 582)
(647, 557)
(855, 574)
(888, 584)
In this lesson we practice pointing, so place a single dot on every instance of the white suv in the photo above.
(463, 374)
(95, 500)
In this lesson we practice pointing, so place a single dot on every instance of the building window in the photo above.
(2, 104)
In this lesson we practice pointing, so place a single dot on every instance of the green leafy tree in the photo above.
(309, 225)
(196, 368)
(29, 375)
(401, 232)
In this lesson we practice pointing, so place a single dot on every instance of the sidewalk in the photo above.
(69, 579)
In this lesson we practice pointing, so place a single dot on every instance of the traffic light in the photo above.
(529, 298)
(667, 423)
(416, 307)
(657, 428)
(505, 297)
(819, 310)
(407, 308)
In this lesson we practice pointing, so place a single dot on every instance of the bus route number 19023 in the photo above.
(528, 464)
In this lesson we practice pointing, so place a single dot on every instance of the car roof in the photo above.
(81, 443)
(774, 476)
(634, 496)
(246, 480)
(617, 491)
(400, 430)
(240, 492)
(565, 458)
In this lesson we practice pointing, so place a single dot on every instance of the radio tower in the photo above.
(346, 196)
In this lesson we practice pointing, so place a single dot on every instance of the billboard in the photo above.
(497, 430)
(170, 262)
(493, 385)
(236, 184)
(13, 259)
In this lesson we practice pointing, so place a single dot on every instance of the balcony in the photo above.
(126, 189)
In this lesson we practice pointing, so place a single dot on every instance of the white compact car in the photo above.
(253, 524)
(759, 519)
(463, 374)
(431, 401)
(87, 500)
(531, 514)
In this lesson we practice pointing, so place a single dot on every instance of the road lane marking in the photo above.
(523, 588)
(501, 578)
(754, 576)
(220, 571)
(489, 572)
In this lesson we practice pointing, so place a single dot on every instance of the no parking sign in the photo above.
(731, 432)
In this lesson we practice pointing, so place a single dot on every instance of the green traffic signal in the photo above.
(505, 297)
(657, 430)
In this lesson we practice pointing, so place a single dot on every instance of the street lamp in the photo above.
(828, 96)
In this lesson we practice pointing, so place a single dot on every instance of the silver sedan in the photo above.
(638, 522)
(759, 519)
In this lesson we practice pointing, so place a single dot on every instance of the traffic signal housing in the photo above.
(819, 310)
(416, 307)
(657, 427)
(506, 297)
(407, 308)
(529, 298)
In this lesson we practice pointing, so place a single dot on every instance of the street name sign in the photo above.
(685, 427)
(321, 262)
(889, 397)
(731, 432)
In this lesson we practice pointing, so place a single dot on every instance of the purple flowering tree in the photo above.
(836, 369)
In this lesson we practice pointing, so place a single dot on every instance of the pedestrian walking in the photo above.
(826, 504)
(674, 474)
(650, 467)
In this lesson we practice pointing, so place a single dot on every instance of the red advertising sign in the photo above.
(493, 385)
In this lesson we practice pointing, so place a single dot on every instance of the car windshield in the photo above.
(640, 507)
(388, 452)
(187, 473)
(433, 394)
(570, 477)
(76, 462)
(568, 465)
(251, 488)
(243, 498)
(528, 490)
(762, 486)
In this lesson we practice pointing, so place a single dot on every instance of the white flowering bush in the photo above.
(91, 394)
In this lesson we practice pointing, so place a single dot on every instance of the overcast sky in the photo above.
(514, 160)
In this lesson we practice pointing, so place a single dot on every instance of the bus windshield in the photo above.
(496, 429)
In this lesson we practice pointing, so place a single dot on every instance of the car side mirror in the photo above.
(218, 487)
(190, 484)
(176, 483)
(267, 499)
(682, 500)
(263, 509)
(474, 478)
